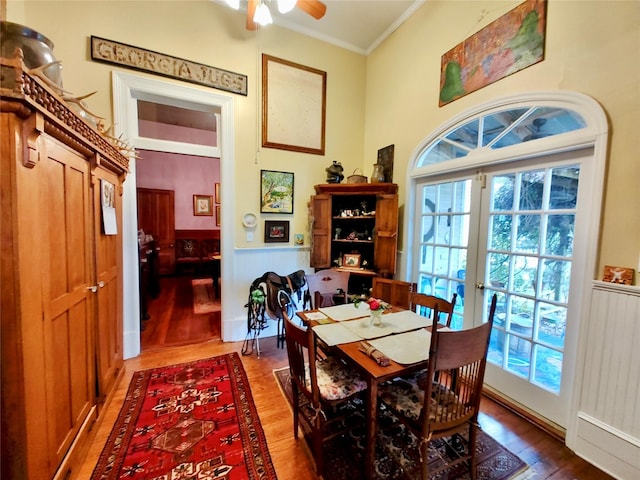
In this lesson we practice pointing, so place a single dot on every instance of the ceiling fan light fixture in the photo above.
(235, 4)
(263, 15)
(285, 6)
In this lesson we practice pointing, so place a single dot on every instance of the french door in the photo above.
(509, 231)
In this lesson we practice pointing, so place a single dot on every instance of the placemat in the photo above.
(405, 348)
(347, 311)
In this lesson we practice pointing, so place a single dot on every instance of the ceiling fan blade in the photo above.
(251, 10)
(315, 8)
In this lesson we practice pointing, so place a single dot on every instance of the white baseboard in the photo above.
(615, 452)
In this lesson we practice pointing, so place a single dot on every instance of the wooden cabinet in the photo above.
(355, 227)
(61, 297)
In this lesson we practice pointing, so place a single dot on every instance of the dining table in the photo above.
(402, 341)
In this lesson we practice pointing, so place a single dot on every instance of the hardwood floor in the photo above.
(547, 457)
(171, 319)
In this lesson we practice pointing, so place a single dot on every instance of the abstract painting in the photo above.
(512, 42)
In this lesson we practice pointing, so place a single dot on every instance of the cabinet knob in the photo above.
(93, 288)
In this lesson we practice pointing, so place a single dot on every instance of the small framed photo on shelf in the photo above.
(621, 275)
(203, 205)
(351, 260)
(276, 231)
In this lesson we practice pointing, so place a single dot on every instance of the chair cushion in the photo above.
(406, 397)
(336, 381)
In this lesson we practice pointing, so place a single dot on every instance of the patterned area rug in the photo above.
(204, 296)
(397, 455)
(194, 420)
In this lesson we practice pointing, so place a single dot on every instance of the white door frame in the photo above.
(594, 135)
(127, 88)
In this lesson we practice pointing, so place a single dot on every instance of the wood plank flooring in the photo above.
(171, 319)
(547, 457)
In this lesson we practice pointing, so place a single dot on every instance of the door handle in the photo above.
(101, 284)
(480, 286)
(93, 288)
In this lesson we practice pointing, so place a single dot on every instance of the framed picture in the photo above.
(621, 275)
(217, 215)
(351, 260)
(276, 192)
(217, 193)
(276, 231)
(293, 106)
(385, 158)
(203, 205)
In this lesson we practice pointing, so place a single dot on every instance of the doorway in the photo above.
(128, 90)
(514, 219)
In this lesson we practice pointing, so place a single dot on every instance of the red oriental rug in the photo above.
(190, 421)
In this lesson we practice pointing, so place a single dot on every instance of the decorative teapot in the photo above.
(334, 172)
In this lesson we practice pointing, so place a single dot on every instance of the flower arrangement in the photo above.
(375, 304)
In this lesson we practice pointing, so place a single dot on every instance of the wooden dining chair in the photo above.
(395, 292)
(323, 390)
(445, 402)
(426, 305)
(328, 287)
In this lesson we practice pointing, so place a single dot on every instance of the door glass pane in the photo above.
(531, 185)
(564, 187)
(528, 237)
(559, 237)
(502, 192)
(500, 232)
(548, 368)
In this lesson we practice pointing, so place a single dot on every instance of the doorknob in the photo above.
(93, 288)
(480, 286)
(101, 284)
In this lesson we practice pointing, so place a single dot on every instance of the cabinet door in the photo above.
(65, 215)
(321, 231)
(108, 258)
(386, 235)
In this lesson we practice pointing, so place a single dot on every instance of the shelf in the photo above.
(361, 217)
(344, 240)
(357, 271)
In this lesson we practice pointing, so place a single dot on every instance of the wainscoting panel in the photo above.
(249, 264)
(608, 428)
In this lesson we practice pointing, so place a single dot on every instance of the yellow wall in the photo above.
(205, 32)
(591, 48)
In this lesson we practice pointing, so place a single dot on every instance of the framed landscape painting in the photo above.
(276, 192)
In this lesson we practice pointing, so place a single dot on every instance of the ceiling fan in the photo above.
(258, 13)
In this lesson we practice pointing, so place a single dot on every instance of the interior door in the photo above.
(156, 216)
(510, 232)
